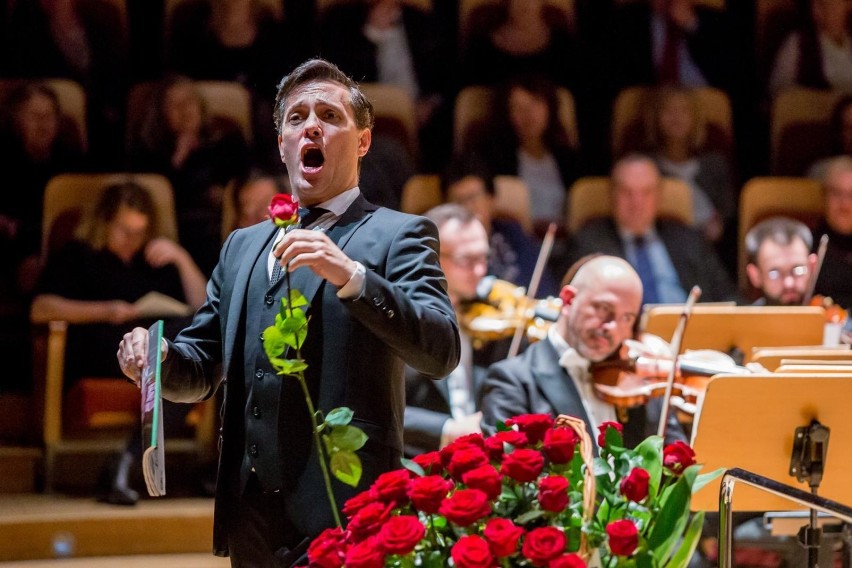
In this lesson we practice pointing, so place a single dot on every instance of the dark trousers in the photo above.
(260, 534)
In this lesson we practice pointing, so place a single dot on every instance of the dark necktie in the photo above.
(307, 217)
(645, 271)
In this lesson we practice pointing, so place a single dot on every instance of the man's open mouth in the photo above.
(313, 158)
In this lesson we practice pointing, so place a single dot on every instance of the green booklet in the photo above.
(153, 455)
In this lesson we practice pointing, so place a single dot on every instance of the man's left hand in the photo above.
(315, 250)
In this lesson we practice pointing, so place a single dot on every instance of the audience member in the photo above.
(780, 261)
(527, 139)
(199, 154)
(600, 307)
(391, 41)
(439, 411)
(669, 256)
(81, 40)
(841, 136)
(819, 53)
(251, 197)
(513, 252)
(519, 36)
(92, 283)
(835, 275)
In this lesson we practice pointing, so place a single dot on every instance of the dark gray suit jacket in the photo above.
(355, 351)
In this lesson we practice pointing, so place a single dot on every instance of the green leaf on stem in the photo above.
(339, 416)
(413, 467)
(350, 438)
(674, 510)
(687, 547)
(293, 328)
(297, 300)
(288, 366)
(529, 516)
(706, 478)
(346, 466)
(273, 342)
(651, 450)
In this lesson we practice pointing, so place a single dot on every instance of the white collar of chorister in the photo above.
(341, 202)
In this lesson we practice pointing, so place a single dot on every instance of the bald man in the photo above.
(600, 306)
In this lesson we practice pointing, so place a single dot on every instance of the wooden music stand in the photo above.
(750, 421)
(772, 358)
(724, 327)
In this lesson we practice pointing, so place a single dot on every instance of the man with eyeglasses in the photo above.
(780, 261)
(600, 306)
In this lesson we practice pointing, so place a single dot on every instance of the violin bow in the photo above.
(677, 341)
(543, 255)
(809, 293)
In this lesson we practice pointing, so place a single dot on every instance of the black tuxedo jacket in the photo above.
(355, 351)
(535, 383)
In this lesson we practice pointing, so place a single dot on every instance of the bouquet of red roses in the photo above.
(530, 495)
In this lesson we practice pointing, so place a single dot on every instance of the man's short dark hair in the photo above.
(781, 230)
(442, 214)
(322, 70)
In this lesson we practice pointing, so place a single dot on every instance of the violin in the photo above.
(640, 370)
(501, 307)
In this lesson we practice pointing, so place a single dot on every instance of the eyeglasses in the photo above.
(606, 314)
(796, 272)
(467, 260)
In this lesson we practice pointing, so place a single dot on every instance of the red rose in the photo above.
(553, 493)
(466, 506)
(523, 464)
(369, 520)
(430, 462)
(392, 486)
(328, 549)
(486, 479)
(678, 456)
(603, 428)
(358, 502)
(559, 444)
(365, 554)
(543, 544)
(466, 459)
(401, 534)
(494, 444)
(427, 493)
(503, 536)
(623, 537)
(567, 561)
(635, 485)
(471, 551)
(284, 210)
(463, 442)
(533, 425)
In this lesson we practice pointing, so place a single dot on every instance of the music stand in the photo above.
(750, 422)
(723, 327)
(772, 358)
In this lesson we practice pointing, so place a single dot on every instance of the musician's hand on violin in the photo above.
(456, 428)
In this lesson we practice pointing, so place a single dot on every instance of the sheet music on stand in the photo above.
(153, 455)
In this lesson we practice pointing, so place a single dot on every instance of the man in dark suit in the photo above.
(600, 307)
(377, 300)
(669, 256)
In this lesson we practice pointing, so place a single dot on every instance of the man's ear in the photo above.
(280, 150)
(364, 141)
(753, 273)
(567, 295)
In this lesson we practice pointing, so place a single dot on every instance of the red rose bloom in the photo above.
(494, 444)
(466, 506)
(486, 479)
(365, 554)
(567, 561)
(502, 536)
(523, 464)
(678, 456)
(430, 462)
(427, 493)
(400, 534)
(533, 425)
(460, 443)
(471, 551)
(559, 444)
(603, 428)
(328, 549)
(635, 486)
(369, 520)
(392, 486)
(466, 459)
(623, 537)
(284, 210)
(543, 544)
(358, 502)
(553, 493)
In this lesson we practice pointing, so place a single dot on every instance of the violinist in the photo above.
(779, 261)
(835, 275)
(600, 306)
(439, 411)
